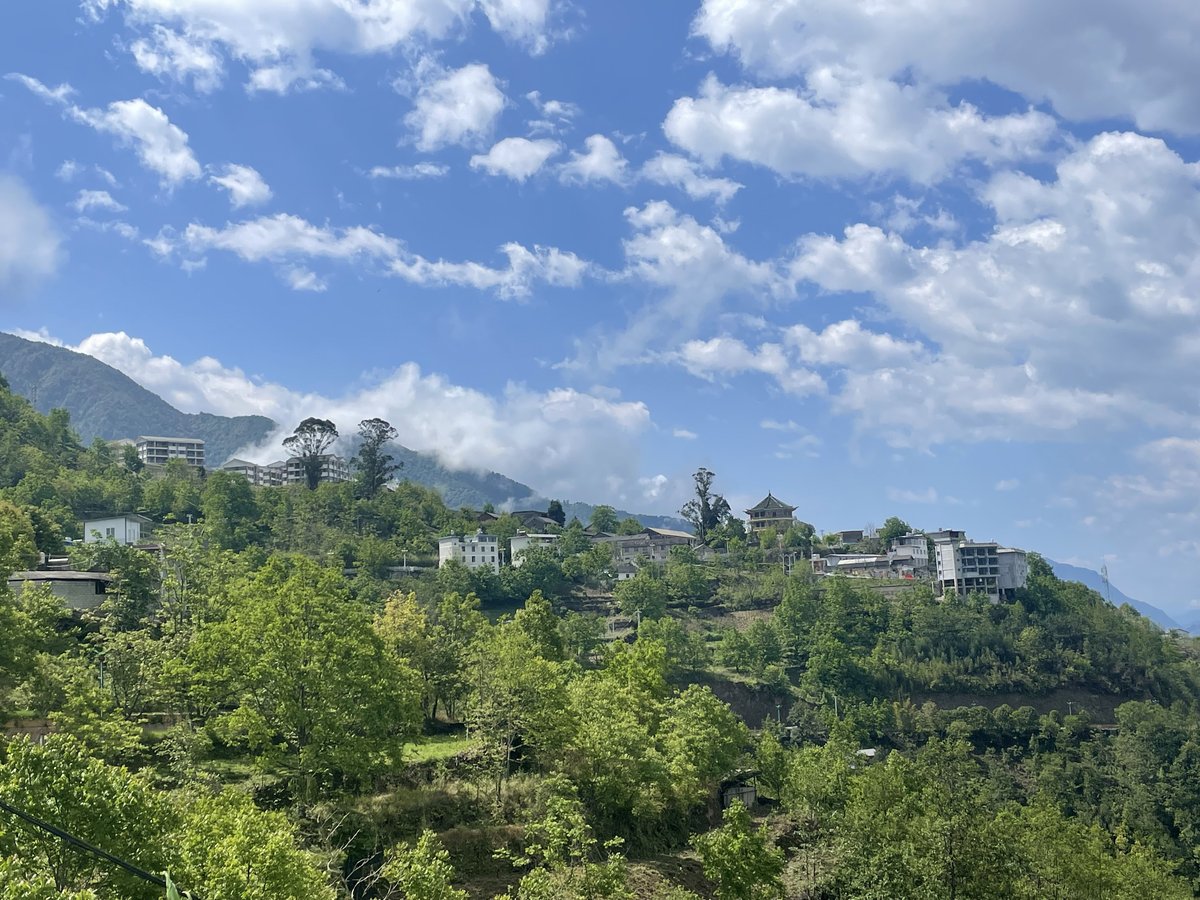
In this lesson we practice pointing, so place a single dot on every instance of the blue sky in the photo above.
(931, 259)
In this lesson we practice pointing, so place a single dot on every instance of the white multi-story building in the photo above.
(910, 552)
(475, 551)
(1014, 571)
(333, 469)
(652, 544)
(967, 567)
(291, 471)
(521, 542)
(158, 451)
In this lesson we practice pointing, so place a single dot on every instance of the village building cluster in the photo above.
(947, 559)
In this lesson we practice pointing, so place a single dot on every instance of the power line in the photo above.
(82, 845)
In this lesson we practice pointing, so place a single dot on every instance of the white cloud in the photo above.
(601, 161)
(515, 157)
(556, 115)
(1008, 484)
(776, 425)
(729, 356)
(668, 168)
(564, 442)
(161, 146)
(60, 95)
(88, 200)
(283, 236)
(456, 107)
(844, 127)
(526, 268)
(246, 187)
(684, 435)
(30, 248)
(410, 173)
(302, 279)
(70, 170)
(289, 239)
(178, 56)
(847, 344)
(1092, 59)
(907, 495)
(1041, 327)
(280, 39)
(690, 271)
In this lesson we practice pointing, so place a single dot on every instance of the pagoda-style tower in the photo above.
(770, 512)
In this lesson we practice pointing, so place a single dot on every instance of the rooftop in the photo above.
(60, 576)
(770, 503)
(176, 440)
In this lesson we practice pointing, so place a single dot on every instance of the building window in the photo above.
(110, 532)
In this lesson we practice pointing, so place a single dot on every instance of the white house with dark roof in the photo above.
(475, 551)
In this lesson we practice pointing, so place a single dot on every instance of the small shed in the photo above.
(741, 785)
(77, 590)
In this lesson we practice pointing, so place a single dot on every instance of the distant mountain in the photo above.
(1095, 581)
(108, 404)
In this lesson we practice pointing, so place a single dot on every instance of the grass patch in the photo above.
(438, 746)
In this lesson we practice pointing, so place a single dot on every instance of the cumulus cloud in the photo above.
(89, 200)
(410, 173)
(689, 271)
(245, 186)
(680, 172)
(600, 161)
(1042, 326)
(562, 441)
(30, 247)
(180, 57)
(455, 107)
(729, 356)
(555, 116)
(684, 434)
(279, 40)
(846, 127)
(290, 241)
(1092, 59)
(161, 146)
(516, 158)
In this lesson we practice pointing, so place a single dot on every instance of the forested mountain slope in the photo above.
(271, 711)
(1095, 581)
(108, 404)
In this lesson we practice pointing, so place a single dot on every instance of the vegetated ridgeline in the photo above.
(262, 706)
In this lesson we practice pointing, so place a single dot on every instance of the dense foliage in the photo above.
(292, 700)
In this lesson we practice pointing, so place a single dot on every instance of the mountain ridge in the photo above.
(1094, 580)
(106, 403)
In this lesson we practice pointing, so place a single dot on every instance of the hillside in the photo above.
(1095, 581)
(108, 404)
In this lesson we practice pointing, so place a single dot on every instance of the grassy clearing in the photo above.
(438, 746)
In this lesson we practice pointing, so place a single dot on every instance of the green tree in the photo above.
(707, 510)
(102, 804)
(642, 594)
(18, 541)
(422, 870)
(375, 465)
(893, 527)
(537, 619)
(630, 525)
(309, 443)
(226, 848)
(555, 511)
(604, 518)
(229, 509)
(739, 858)
(307, 676)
